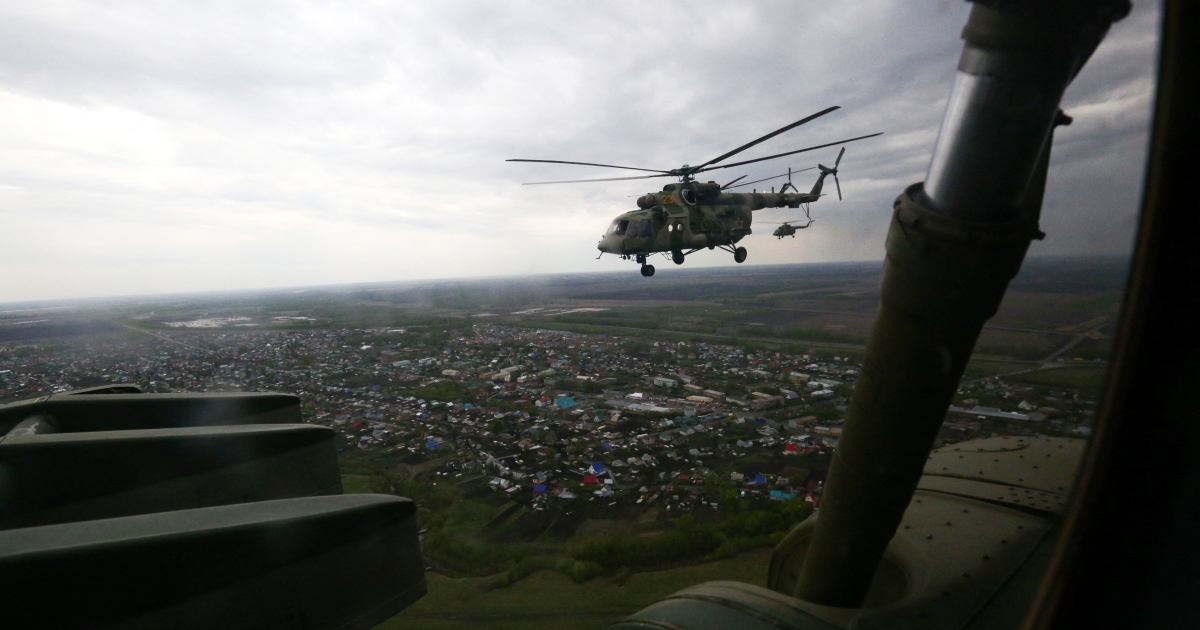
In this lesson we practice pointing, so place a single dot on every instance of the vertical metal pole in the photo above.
(954, 244)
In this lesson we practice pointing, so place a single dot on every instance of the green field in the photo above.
(548, 599)
(1089, 377)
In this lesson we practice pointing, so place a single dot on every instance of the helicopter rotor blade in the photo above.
(788, 174)
(606, 179)
(839, 158)
(764, 138)
(838, 184)
(779, 155)
(732, 182)
(628, 168)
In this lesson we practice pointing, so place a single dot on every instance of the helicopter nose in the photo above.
(608, 245)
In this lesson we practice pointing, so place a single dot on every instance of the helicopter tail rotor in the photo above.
(825, 170)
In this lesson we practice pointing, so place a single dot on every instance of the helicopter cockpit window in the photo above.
(619, 227)
(635, 229)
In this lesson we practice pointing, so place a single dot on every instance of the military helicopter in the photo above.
(688, 216)
(787, 229)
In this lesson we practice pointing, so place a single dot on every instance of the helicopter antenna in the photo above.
(784, 187)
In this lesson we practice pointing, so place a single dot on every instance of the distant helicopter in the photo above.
(789, 227)
(690, 215)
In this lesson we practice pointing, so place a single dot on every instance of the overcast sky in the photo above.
(151, 147)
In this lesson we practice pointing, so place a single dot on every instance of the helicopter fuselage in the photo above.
(690, 216)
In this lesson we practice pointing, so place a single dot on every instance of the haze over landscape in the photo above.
(177, 147)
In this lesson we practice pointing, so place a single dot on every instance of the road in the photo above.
(1090, 334)
(163, 337)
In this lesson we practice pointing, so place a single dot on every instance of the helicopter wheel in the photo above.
(647, 270)
(739, 255)
(677, 256)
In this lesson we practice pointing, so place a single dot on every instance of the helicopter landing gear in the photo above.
(677, 257)
(739, 255)
(647, 270)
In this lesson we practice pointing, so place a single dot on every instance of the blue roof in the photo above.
(541, 487)
(566, 402)
(760, 479)
(597, 467)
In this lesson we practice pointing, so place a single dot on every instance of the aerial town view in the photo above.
(639, 316)
(568, 433)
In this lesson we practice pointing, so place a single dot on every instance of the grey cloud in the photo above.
(351, 142)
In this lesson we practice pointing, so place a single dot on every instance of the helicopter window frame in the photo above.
(636, 228)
